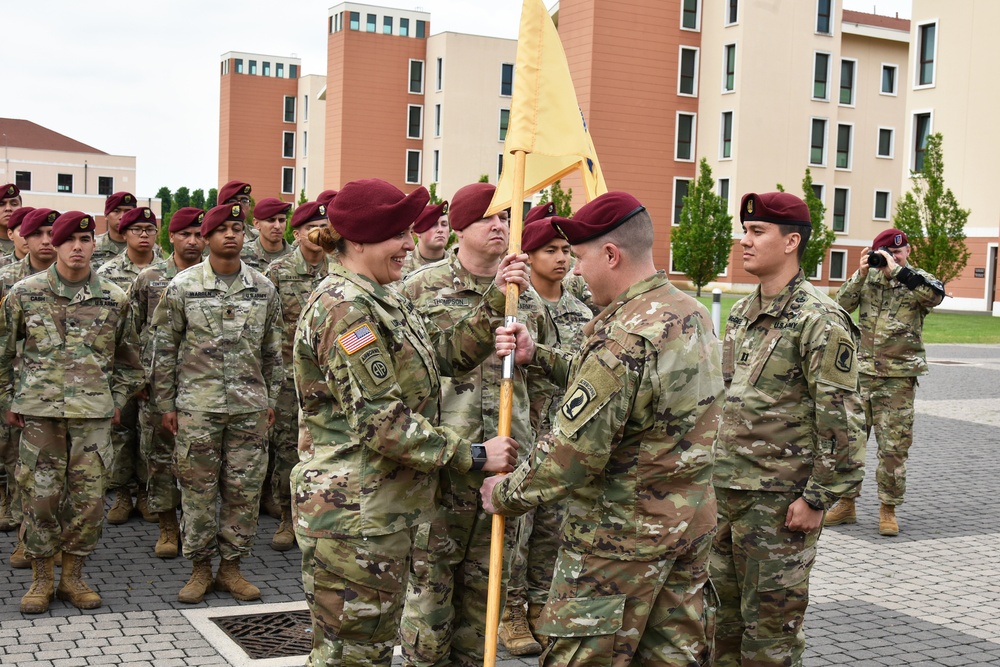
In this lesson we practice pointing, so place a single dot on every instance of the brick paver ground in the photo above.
(930, 597)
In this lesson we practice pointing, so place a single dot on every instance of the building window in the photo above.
(823, 18)
(818, 192)
(289, 109)
(266, 68)
(838, 265)
(726, 138)
(414, 121)
(844, 133)
(305, 108)
(882, 199)
(304, 180)
(504, 123)
(355, 23)
(223, 67)
(239, 65)
(732, 12)
(417, 77)
(65, 183)
(253, 67)
(506, 80)
(841, 205)
(293, 71)
(288, 145)
(821, 76)
(680, 192)
(684, 148)
(305, 145)
(888, 80)
(287, 180)
(724, 191)
(499, 165)
(847, 70)
(687, 83)
(386, 25)
(921, 130)
(421, 29)
(105, 185)
(370, 23)
(926, 52)
(412, 166)
(279, 70)
(404, 27)
(437, 120)
(690, 14)
(437, 165)
(817, 142)
(729, 73)
(439, 77)
(885, 142)
(22, 179)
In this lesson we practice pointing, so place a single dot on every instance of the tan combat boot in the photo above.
(7, 522)
(229, 578)
(887, 521)
(43, 583)
(515, 634)
(534, 611)
(18, 560)
(843, 511)
(284, 537)
(142, 504)
(72, 588)
(168, 544)
(199, 583)
(122, 508)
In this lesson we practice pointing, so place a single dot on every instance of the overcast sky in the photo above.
(141, 77)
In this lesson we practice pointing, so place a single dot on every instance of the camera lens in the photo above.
(875, 260)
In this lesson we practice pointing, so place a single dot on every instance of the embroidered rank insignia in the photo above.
(354, 340)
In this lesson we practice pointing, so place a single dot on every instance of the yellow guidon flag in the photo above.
(545, 119)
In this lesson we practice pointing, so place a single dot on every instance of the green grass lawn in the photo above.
(939, 327)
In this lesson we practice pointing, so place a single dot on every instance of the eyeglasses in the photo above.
(142, 231)
(243, 200)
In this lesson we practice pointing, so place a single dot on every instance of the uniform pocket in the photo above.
(783, 593)
(582, 629)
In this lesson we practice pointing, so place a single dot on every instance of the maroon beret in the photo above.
(270, 207)
(232, 190)
(37, 218)
(469, 204)
(540, 212)
(372, 210)
(538, 234)
(311, 210)
(141, 214)
(890, 238)
(189, 216)
(778, 207)
(429, 217)
(9, 191)
(70, 223)
(598, 217)
(220, 214)
(118, 199)
(17, 217)
(326, 197)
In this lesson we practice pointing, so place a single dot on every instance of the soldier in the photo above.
(367, 374)
(128, 470)
(893, 301)
(295, 276)
(270, 218)
(10, 201)
(77, 369)
(631, 450)
(538, 542)
(112, 242)
(445, 613)
(326, 197)
(432, 232)
(20, 245)
(790, 441)
(216, 375)
(238, 192)
(156, 444)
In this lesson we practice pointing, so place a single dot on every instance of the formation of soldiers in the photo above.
(668, 498)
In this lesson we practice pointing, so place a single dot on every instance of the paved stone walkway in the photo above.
(930, 597)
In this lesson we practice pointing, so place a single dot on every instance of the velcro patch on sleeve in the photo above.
(840, 361)
(593, 386)
(373, 371)
(357, 339)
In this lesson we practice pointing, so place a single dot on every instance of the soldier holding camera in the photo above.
(893, 297)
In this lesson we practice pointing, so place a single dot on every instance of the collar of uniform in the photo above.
(658, 279)
(365, 284)
(211, 280)
(304, 268)
(465, 279)
(93, 287)
(780, 301)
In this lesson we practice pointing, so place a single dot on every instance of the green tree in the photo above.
(932, 218)
(213, 198)
(484, 178)
(302, 197)
(562, 199)
(822, 237)
(703, 239)
(163, 194)
(182, 198)
(198, 198)
(434, 194)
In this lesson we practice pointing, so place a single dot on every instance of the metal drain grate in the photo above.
(276, 635)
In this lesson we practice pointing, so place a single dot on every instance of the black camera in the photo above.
(876, 260)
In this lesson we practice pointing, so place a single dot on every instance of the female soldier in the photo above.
(367, 374)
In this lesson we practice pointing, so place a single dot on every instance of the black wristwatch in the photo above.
(478, 456)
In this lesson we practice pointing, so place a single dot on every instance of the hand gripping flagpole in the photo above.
(493, 600)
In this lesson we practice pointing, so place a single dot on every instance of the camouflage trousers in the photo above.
(284, 444)
(444, 620)
(219, 457)
(889, 412)
(62, 470)
(127, 468)
(156, 448)
(10, 438)
(604, 612)
(539, 536)
(761, 572)
(355, 587)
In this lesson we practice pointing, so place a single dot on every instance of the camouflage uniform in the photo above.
(78, 364)
(370, 450)
(414, 261)
(577, 286)
(791, 427)
(631, 450)
(445, 614)
(217, 363)
(105, 249)
(890, 358)
(6, 246)
(255, 256)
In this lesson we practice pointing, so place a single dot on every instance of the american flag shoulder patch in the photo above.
(357, 338)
